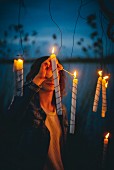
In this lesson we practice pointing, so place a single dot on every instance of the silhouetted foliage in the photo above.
(18, 27)
(96, 46)
(34, 33)
(54, 36)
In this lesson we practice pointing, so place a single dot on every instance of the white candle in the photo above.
(18, 68)
(73, 104)
(56, 83)
(105, 149)
(104, 101)
(97, 93)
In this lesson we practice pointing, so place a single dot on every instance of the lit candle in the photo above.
(104, 102)
(105, 149)
(73, 104)
(56, 83)
(18, 68)
(106, 139)
(97, 93)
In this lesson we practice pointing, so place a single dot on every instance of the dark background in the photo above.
(83, 30)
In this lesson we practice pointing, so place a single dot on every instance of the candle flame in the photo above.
(18, 64)
(53, 50)
(106, 84)
(75, 74)
(100, 73)
(20, 60)
(107, 136)
(106, 77)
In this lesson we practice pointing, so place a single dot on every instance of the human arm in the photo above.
(45, 71)
(19, 105)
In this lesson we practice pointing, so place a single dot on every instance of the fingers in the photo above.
(60, 67)
(47, 64)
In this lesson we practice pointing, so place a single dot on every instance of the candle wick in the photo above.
(68, 72)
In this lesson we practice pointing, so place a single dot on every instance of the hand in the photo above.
(45, 71)
(59, 66)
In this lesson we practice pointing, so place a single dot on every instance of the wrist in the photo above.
(38, 80)
(34, 86)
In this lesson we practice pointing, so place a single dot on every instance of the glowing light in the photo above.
(53, 50)
(106, 77)
(75, 74)
(106, 84)
(100, 73)
(107, 136)
(18, 64)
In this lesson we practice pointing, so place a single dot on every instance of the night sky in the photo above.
(91, 40)
(35, 15)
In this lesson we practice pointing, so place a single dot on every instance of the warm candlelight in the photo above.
(106, 77)
(105, 149)
(106, 138)
(97, 93)
(18, 64)
(106, 85)
(104, 101)
(18, 68)
(100, 73)
(75, 80)
(53, 55)
(73, 104)
(56, 83)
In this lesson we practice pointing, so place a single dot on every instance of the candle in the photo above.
(105, 149)
(73, 104)
(104, 102)
(18, 68)
(97, 93)
(56, 83)
(18, 64)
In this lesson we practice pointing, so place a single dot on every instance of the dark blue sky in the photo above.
(35, 16)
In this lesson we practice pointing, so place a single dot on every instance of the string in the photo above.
(100, 17)
(84, 4)
(103, 33)
(79, 9)
(20, 33)
(75, 27)
(68, 72)
(55, 24)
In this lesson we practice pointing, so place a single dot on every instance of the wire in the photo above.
(103, 33)
(75, 27)
(55, 23)
(84, 4)
(20, 33)
(100, 17)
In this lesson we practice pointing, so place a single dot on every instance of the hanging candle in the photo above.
(56, 83)
(97, 93)
(105, 142)
(18, 69)
(104, 101)
(73, 104)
